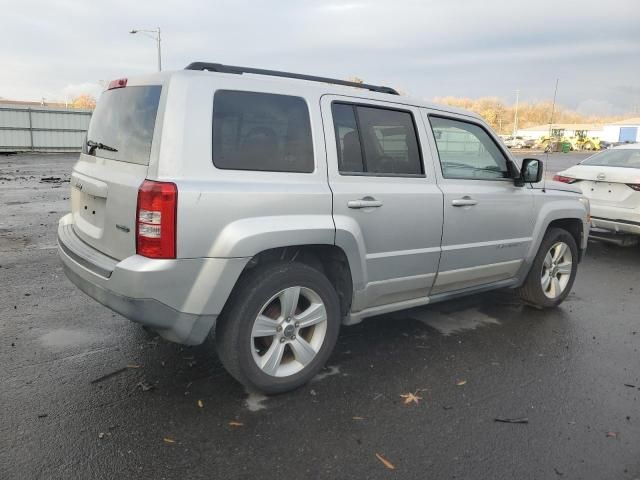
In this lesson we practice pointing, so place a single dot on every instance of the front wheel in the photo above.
(279, 328)
(553, 271)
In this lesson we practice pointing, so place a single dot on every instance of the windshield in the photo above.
(626, 158)
(123, 121)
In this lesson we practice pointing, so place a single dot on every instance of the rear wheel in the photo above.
(279, 328)
(553, 271)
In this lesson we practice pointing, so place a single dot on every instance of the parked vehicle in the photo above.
(272, 208)
(611, 181)
(519, 142)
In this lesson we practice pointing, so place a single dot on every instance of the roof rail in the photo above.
(218, 67)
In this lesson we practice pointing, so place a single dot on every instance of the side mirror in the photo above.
(531, 171)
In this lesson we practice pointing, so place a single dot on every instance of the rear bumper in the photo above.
(616, 225)
(180, 299)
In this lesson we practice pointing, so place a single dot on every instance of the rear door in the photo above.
(488, 221)
(385, 195)
(113, 164)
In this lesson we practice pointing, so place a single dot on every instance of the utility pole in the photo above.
(154, 34)
(515, 118)
(553, 107)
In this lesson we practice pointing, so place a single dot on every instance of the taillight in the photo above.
(156, 219)
(563, 179)
(118, 83)
(635, 186)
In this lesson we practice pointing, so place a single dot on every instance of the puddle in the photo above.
(448, 323)
(66, 338)
(327, 372)
(255, 401)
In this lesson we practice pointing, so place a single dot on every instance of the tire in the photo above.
(254, 331)
(536, 290)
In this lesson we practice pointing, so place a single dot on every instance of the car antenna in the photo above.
(553, 110)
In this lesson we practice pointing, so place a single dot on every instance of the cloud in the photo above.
(428, 48)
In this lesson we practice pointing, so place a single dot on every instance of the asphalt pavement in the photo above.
(84, 393)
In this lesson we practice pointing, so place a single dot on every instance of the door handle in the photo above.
(464, 202)
(366, 202)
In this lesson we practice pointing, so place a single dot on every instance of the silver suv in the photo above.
(271, 208)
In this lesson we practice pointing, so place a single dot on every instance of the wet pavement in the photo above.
(172, 412)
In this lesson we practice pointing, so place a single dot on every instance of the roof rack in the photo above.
(218, 67)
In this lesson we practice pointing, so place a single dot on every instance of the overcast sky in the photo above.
(426, 48)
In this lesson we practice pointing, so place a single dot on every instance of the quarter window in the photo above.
(467, 151)
(374, 140)
(261, 131)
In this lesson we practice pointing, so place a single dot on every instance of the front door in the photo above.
(384, 199)
(488, 221)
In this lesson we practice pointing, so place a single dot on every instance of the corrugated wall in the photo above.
(42, 128)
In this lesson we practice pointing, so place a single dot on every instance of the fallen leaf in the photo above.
(236, 424)
(461, 382)
(168, 440)
(357, 418)
(385, 462)
(612, 434)
(200, 404)
(411, 397)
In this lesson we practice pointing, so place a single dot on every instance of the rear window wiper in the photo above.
(95, 145)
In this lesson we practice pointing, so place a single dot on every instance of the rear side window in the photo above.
(377, 141)
(261, 131)
(124, 120)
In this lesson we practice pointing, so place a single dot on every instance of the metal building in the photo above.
(25, 127)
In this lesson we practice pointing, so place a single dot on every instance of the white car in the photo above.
(611, 181)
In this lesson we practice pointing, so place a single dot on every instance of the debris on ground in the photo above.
(385, 462)
(411, 398)
(511, 420)
(101, 435)
(629, 385)
(144, 386)
(53, 180)
(459, 383)
(168, 440)
(43, 415)
(236, 424)
(558, 472)
(200, 404)
(357, 418)
(612, 434)
(114, 373)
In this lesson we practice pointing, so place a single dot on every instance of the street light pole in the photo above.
(515, 118)
(159, 52)
(154, 34)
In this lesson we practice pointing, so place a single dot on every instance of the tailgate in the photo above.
(103, 202)
(113, 165)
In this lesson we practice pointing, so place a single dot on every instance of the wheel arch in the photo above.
(329, 259)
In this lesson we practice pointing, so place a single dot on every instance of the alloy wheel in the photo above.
(289, 331)
(556, 270)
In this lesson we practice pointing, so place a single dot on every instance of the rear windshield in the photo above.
(616, 158)
(124, 120)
